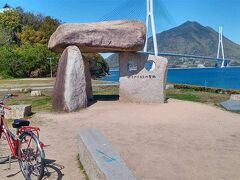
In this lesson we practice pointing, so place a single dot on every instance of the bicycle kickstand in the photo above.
(9, 163)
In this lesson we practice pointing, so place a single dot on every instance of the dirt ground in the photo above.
(175, 141)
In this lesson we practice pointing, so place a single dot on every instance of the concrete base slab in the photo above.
(231, 105)
(18, 111)
(100, 159)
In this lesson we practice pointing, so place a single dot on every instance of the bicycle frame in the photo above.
(10, 137)
(25, 145)
(13, 140)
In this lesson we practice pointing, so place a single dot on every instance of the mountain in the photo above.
(193, 38)
(112, 60)
(190, 38)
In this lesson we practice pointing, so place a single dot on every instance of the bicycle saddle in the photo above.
(17, 123)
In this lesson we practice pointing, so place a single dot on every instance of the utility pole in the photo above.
(220, 46)
(50, 62)
(150, 16)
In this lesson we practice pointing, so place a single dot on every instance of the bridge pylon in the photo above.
(150, 16)
(220, 47)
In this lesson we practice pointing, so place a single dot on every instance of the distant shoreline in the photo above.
(117, 69)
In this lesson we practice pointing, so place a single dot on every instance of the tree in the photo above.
(10, 20)
(30, 19)
(5, 36)
(22, 61)
(98, 66)
(23, 46)
(48, 26)
(7, 6)
(29, 35)
(36, 28)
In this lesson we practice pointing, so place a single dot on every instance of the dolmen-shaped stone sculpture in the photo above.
(142, 76)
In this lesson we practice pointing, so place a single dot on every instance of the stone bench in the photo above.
(235, 97)
(18, 111)
(231, 105)
(100, 159)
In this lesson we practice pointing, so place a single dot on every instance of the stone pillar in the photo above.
(142, 78)
(89, 90)
(70, 86)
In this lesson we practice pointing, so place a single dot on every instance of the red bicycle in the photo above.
(25, 145)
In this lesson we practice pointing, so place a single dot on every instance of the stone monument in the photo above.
(143, 76)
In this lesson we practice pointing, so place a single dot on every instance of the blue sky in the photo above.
(207, 12)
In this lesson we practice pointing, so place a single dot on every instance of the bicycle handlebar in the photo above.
(5, 107)
(6, 97)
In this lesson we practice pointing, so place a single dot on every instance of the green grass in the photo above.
(106, 90)
(197, 96)
(106, 93)
(44, 103)
(35, 82)
(82, 169)
(40, 103)
(187, 97)
(27, 80)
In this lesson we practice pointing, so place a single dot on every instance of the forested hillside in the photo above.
(23, 45)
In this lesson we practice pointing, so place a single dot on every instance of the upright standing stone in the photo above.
(70, 86)
(142, 78)
(89, 90)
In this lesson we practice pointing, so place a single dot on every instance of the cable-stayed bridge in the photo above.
(154, 13)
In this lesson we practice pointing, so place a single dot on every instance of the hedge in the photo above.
(206, 89)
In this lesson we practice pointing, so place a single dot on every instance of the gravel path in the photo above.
(178, 140)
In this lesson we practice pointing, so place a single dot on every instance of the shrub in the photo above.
(206, 89)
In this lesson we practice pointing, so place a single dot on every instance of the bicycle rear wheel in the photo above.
(32, 156)
(5, 151)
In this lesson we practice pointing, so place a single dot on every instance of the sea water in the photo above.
(227, 78)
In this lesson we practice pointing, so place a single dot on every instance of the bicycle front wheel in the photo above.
(5, 151)
(31, 156)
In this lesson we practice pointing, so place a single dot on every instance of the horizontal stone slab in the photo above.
(100, 159)
(106, 36)
(231, 105)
